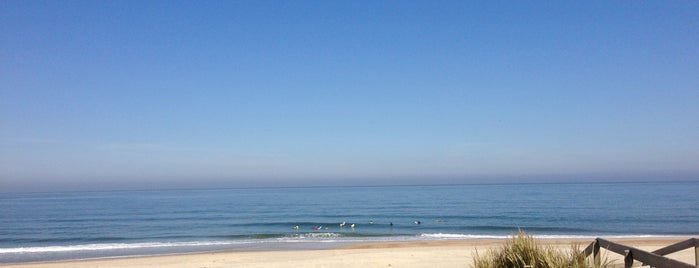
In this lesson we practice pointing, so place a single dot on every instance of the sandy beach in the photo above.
(453, 253)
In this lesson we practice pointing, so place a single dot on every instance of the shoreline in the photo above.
(423, 253)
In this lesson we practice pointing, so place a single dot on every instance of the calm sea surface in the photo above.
(56, 226)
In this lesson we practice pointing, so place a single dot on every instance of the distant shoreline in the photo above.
(442, 253)
(269, 245)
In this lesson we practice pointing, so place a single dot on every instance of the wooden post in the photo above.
(596, 255)
(696, 256)
(628, 259)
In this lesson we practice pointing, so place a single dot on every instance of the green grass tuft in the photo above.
(522, 251)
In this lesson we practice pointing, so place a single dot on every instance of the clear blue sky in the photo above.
(149, 94)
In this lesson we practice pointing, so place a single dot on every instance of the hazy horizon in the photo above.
(129, 184)
(133, 95)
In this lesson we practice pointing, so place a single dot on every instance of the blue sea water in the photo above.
(78, 225)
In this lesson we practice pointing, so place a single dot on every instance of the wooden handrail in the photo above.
(653, 259)
(679, 246)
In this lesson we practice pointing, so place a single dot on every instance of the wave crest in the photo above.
(114, 246)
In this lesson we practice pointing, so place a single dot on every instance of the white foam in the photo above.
(116, 246)
(473, 236)
(300, 238)
(601, 235)
(317, 235)
(461, 236)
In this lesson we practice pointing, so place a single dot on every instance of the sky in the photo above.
(108, 95)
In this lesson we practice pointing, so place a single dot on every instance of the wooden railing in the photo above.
(654, 259)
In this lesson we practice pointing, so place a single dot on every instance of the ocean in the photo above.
(81, 225)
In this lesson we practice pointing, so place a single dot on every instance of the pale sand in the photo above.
(393, 254)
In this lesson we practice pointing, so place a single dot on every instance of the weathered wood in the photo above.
(647, 258)
(588, 250)
(593, 248)
(628, 258)
(679, 246)
(597, 256)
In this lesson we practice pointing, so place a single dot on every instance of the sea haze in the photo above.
(77, 225)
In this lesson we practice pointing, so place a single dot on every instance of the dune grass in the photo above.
(522, 251)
